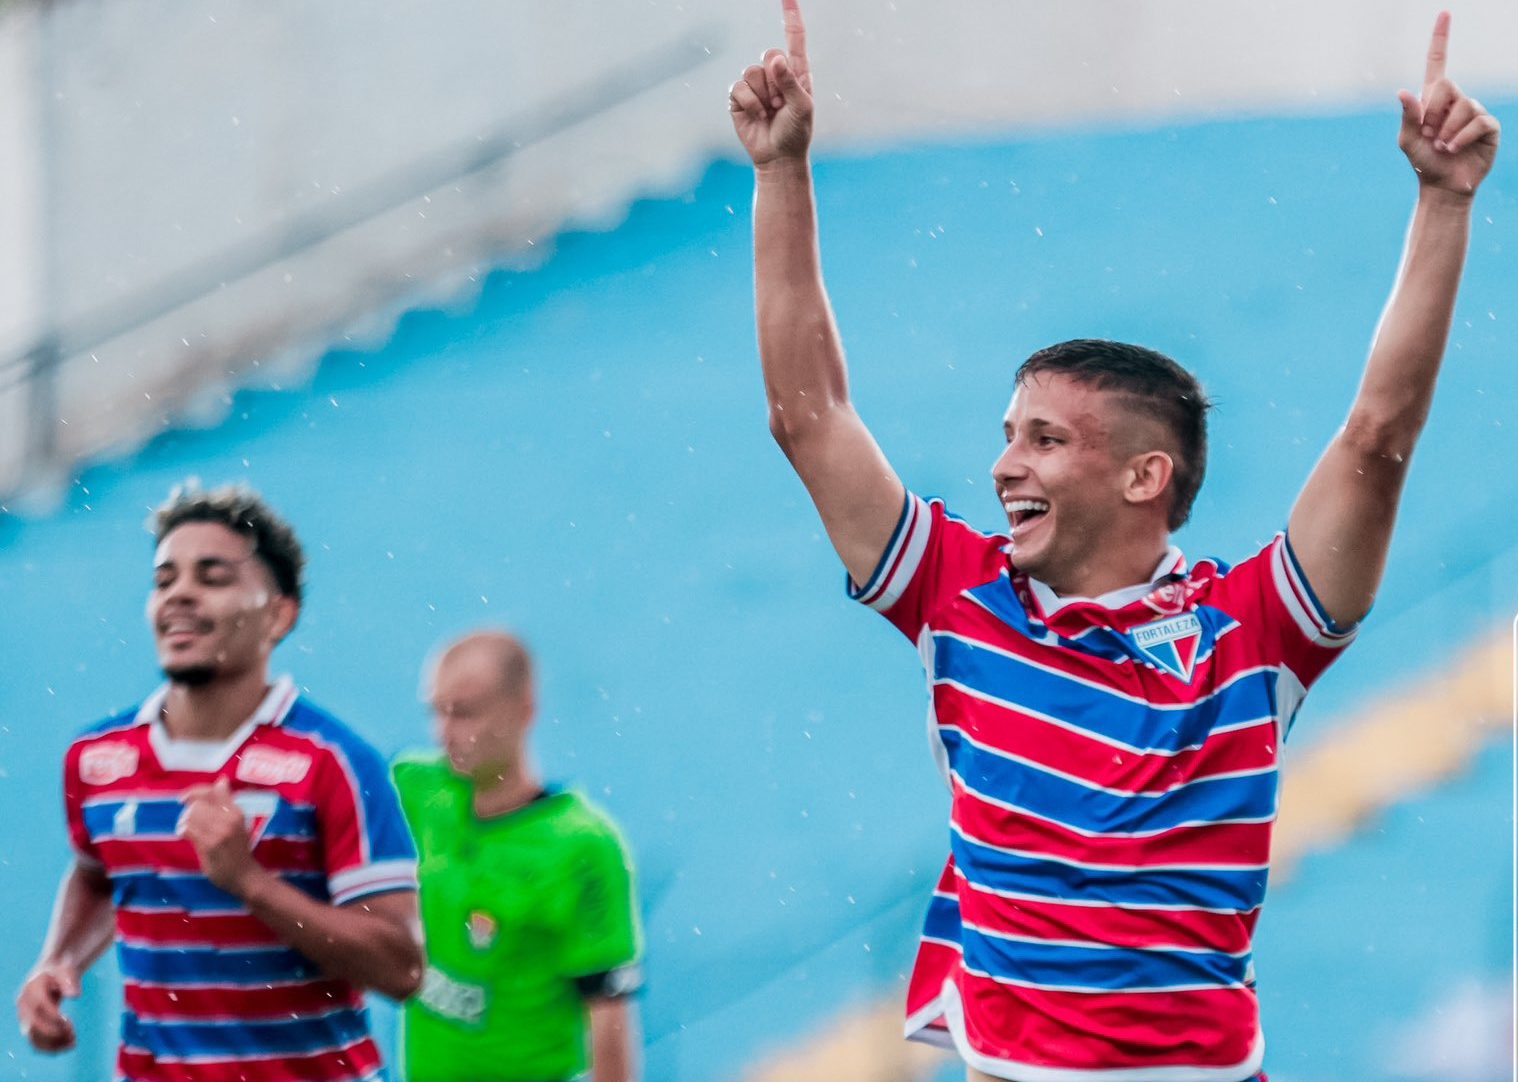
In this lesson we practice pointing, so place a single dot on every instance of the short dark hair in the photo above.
(1155, 385)
(243, 511)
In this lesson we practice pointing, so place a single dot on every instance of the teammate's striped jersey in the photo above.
(1112, 764)
(211, 993)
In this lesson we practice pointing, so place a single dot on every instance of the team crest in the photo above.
(482, 930)
(257, 807)
(1170, 645)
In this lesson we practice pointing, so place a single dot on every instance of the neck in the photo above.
(1109, 570)
(216, 710)
(505, 792)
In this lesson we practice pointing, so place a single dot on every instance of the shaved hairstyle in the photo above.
(506, 650)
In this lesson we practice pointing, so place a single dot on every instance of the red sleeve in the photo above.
(1270, 596)
(73, 809)
(930, 558)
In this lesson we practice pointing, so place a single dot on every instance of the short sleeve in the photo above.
(930, 558)
(73, 811)
(1270, 596)
(603, 941)
(367, 845)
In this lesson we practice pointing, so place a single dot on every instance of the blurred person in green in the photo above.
(527, 895)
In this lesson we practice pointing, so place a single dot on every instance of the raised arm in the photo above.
(805, 377)
(1342, 523)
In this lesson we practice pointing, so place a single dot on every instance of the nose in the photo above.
(1009, 466)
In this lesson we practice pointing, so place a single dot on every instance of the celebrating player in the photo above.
(527, 895)
(246, 849)
(1108, 716)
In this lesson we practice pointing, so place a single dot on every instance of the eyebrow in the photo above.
(206, 563)
(1035, 423)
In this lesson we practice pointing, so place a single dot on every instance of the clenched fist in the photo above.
(40, 1007)
(214, 824)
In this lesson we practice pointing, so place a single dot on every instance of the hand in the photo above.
(772, 104)
(214, 825)
(39, 1005)
(1449, 138)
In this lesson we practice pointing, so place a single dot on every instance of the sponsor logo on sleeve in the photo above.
(270, 766)
(101, 764)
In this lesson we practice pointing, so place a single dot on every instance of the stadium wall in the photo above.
(202, 195)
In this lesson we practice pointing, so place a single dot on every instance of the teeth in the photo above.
(1014, 506)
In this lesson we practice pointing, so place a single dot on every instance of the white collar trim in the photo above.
(209, 756)
(1051, 602)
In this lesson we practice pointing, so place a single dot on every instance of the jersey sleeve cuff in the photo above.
(612, 984)
(1302, 603)
(380, 877)
(899, 562)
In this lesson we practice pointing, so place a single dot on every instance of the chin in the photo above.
(191, 674)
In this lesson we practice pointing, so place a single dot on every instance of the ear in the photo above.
(1147, 477)
(286, 611)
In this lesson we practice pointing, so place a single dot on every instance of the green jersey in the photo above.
(525, 915)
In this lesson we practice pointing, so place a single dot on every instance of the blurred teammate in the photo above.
(1108, 716)
(244, 849)
(527, 895)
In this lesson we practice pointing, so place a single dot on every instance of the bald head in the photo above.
(492, 652)
(482, 697)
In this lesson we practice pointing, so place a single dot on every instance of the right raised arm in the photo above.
(81, 929)
(856, 492)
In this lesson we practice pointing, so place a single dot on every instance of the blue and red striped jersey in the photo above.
(1113, 770)
(210, 992)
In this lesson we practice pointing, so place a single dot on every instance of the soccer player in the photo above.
(244, 849)
(527, 894)
(1108, 715)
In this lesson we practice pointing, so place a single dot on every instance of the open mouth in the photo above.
(181, 629)
(1023, 513)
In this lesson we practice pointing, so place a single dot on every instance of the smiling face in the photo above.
(1076, 485)
(214, 609)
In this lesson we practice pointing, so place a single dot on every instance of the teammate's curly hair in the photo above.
(243, 511)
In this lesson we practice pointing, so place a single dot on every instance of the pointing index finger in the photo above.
(1438, 51)
(795, 42)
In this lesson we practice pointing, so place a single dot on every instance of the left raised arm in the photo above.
(1341, 526)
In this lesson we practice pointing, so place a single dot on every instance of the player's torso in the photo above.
(497, 906)
(1084, 740)
(205, 982)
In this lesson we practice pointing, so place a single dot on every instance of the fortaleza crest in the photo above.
(482, 930)
(1171, 645)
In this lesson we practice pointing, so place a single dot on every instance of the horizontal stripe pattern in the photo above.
(192, 892)
(358, 1062)
(1113, 765)
(1146, 726)
(1220, 889)
(306, 1036)
(214, 966)
(1006, 728)
(1080, 806)
(260, 1002)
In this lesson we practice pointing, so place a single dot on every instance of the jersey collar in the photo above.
(1172, 563)
(209, 756)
